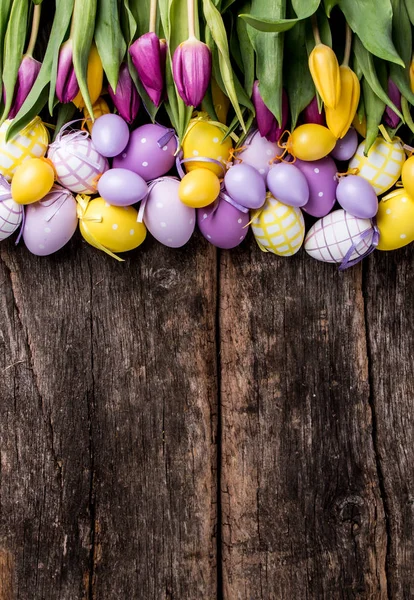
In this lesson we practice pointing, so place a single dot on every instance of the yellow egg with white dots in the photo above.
(382, 167)
(395, 220)
(205, 140)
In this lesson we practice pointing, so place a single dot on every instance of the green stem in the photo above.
(348, 44)
(191, 18)
(35, 29)
(153, 16)
(315, 30)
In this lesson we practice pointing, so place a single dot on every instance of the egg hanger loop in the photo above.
(353, 171)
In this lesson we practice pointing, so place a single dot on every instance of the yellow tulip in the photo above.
(94, 78)
(324, 69)
(339, 119)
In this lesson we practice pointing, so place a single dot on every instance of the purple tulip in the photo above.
(26, 76)
(311, 113)
(192, 70)
(67, 86)
(126, 98)
(266, 121)
(148, 54)
(394, 94)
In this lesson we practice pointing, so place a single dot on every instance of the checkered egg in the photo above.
(382, 167)
(30, 142)
(11, 214)
(330, 238)
(278, 228)
(77, 163)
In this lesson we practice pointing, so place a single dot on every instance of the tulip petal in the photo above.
(125, 98)
(148, 54)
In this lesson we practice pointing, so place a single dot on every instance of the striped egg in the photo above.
(330, 238)
(278, 228)
(382, 167)
(11, 213)
(30, 142)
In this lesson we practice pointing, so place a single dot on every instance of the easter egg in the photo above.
(345, 148)
(278, 228)
(407, 176)
(311, 142)
(395, 220)
(77, 163)
(245, 185)
(11, 214)
(206, 141)
(30, 142)
(222, 224)
(113, 227)
(288, 184)
(382, 167)
(330, 238)
(110, 135)
(145, 156)
(199, 188)
(50, 223)
(322, 182)
(121, 187)
(32, 180)
(357, 196)
(258, 152)
(100, 107)
(169, 220)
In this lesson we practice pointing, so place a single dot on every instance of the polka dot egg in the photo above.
(222, 224)
(382, 167)
(259, 152)
(205, 140)
(30, 142)
(11, 213)
(395, 220)
(278, 228)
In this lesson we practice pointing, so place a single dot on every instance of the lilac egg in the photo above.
(110, 135)
(144, 156)
(322, 182)
(259, 153)
(169, 220)
(245, 185)
(222, 224)
(288, 184)
(121, 187)
(357, 196)
(346, 147)
(50, 223)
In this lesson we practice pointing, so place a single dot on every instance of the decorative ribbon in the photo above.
(142, 206)
(180, 160)
(82, 207)
(385, 134)
(230, 200)
(168, 135)
(346, 262)
(353, 171)
(66, 137)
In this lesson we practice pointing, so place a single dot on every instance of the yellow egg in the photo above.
(199, 188)
(31, 142)
(382, 167)
(205, 140)
(32, 180)
(278, 228)
(113, 227)
(407, 176)
(311, 142)
(395, 220)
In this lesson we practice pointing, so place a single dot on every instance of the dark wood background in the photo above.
(194, 424)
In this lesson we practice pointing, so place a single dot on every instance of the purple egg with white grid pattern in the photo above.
(322, 182)
(50, 223)
(259, 153)
(77, 163)
(330, 238)
(11, 213)
(222, 224)
(150, 152)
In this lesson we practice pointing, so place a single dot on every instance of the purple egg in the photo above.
(245, 185)
(259, 152)
(169, 220)
(346, 147)
(288, 184)
(357, 196)
(110, 135)
(144, 156)
(222, 224)
(322, 182)
(50, 223)
(121, 187)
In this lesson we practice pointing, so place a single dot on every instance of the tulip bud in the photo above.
(125, 98)
(324, 69)
(26, 76)
(339, 119)
(394, 94)
(311, 113)
(94, 78)
(148, 54)
(266, 121)
(192, 70)
(66, 83)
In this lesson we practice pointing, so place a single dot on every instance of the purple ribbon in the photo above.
(66, 137)
(346, 262)
(168, 135)
(230, 200)
(180, 161)
(144, 201)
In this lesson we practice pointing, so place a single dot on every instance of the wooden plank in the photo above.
(302, 510)
(388, 287)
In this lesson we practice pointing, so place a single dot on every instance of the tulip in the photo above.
(148, 54)
(339, 119)
(67, 86)
(26, 76)
(266, 121)
(192, 70)
(94, 78)
(394, 94)
(311, 113)
(125, 98)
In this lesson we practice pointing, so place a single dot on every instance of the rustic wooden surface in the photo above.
(196, 425)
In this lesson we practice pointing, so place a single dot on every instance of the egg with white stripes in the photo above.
(278, 228)
(30, 142)
(11, 213)
(382, 167)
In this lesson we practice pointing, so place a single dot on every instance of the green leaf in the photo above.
(403, 42)
(329, 4)
(109, 39)
(24, 120)
(247, 52)
(5, 6)
(299, 84)
(371, 20)
(84, 14)
(374, 109)
(409, 5)
(66, 112)
(61, 22)
(407, 114)
(13, 50)
(303, 10)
